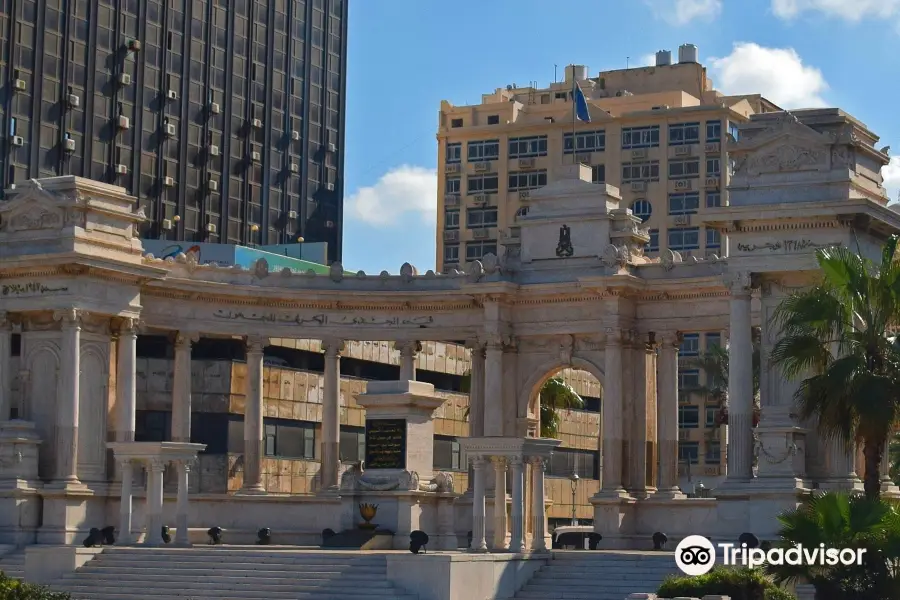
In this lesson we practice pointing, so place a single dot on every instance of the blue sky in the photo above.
(405, 56)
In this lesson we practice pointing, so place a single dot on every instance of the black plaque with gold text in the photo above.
(385, 444)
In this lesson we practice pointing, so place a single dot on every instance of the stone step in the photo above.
(13, 564)
(204, 578)
(238, 570)
(98, 591)
(254, 560)
(225, 583)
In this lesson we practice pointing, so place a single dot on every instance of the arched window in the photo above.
(642, 209)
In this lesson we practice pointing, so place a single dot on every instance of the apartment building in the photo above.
(657, 133)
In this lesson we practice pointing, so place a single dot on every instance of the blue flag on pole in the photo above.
(581, 106)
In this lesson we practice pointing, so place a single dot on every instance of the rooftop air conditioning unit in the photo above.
(212, 185)
(170, 130)
(124, 79)
(211, 227)
(167, 224)
(292, 214)
(18, 140)
(329, 187)
(295, 135)
(329, 224)
(332, 148)
(214, 108)
(638, 186)
(19, 85)
(295, 168)
(169, 181)
(73, 101)
(255, 156)
(69, 145)
(121, 170)
(257, 123)
(123, 122)
(172, 95)
(213, 150)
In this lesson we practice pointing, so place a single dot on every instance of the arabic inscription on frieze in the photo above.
(34, 288)
(323, 319)
(787, 246)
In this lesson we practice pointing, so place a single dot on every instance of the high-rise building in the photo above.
(224, 117)
(657, 133)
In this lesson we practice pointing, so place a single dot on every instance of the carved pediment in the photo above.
(784, 155)
(34, 209)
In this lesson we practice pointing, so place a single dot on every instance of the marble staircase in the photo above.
(13, 564)
(231, 573)
(599, 575)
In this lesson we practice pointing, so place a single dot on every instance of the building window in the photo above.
(713, 167)
(653, 244)
(711, 412)
(713, 199)
(682, 134)
(713, 452)
(526, 147)
(640, 137)
(483, 150)
(564, 462)
(688, 417)
(713, 131)
(478, 250)
(684, 204)
(451, 254)
(353, 444)
(687, 238)
(733, 131)
(446, 454)
(642, 208)
(684, 169)
(713, 339)
(688, 379)
(690, 344)
(456, 123)
(452, 185)
(454, 153)
(713, 239)
(493, 119)
(527, 180)
(478, 218)
(451, 219)
(640, 171)
(482, 184)
(688, 452)
(290, 439)
(585, 141)
(152, 426)
(598, 174)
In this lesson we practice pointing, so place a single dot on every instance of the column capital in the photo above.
(125, 462)
(185, 464)
(185, 338)
(6, 320)
(516, 462)
(70, 318)
(256, 343)
(537, 462)
(499, 341)
(127, 326)
(479, 462)
(615, 336)
(475, 344)
(670, 340)
(333, 348)
(739, 283)
(408, 347)
(499, 462)
(157, 465)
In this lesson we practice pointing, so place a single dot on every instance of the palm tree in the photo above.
(894, 458)
(555, 395)
(835, 335)
(714, 364)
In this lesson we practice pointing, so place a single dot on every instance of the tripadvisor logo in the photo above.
(696, 555)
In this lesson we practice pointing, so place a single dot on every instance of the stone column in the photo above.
(613, 422)
(331, 415)
(5, 366)
(154, 509)
(126, 373)
(500, 524)
(125, 502)
(493, 387)
(667, 415)
(253, 417)
(517, 531)
(538, 506)
(479, 543)
(408, 354)
(181, 512)
(888, 487)
(476, 390)
(68, 397)
(181, 387)
(740, 381)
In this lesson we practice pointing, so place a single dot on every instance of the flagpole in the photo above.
(574, 114)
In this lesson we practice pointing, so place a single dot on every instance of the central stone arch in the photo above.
(542, 370)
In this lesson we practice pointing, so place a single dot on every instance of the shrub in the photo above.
(739, 584)
(13, 589)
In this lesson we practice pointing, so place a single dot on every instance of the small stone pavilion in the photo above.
(572, 288)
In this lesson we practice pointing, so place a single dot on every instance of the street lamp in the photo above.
(574, 480)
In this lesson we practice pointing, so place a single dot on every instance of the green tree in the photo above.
(714, 364)
(840, 520)
(834, 336)
(13, 589)
(555, 395)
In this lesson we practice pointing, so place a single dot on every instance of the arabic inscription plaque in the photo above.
(385, 443)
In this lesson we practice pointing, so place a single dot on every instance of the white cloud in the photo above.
(855, 10)
(891, 174)
(647, 60)
(682, 12)
(403, 189)
(777, 73)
